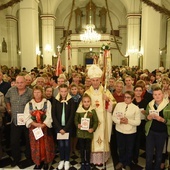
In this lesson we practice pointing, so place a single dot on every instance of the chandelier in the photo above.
(90, 35)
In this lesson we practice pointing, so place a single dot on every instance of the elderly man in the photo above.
(16, 99)
(103, 102)
(40, 81)
(29, 80)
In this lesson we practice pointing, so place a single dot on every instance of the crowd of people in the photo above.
(76, 113)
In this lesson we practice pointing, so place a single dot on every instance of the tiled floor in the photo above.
(5, 162)
(74, 162)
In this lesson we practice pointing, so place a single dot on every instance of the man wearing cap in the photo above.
(103, 102)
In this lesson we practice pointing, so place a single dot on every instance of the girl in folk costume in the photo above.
(63, 109)
(85, 135)
(37, 114)
(103, 102)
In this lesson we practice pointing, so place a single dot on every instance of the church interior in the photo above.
(136, 31)
(34, 33)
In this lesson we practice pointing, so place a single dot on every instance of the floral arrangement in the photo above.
(105, 47)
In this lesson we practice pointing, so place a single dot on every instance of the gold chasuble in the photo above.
(100, 150)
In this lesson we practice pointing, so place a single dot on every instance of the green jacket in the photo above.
(93, 122)
(166, 115)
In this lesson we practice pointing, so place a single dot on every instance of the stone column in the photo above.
(123, 35)
(48, 38)
(167, 66)
(133, 33)
(58, 34)
(29, 33)
(150, 37)
(74, 56)
(13, 57)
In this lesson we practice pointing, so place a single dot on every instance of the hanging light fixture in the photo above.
(90, 35)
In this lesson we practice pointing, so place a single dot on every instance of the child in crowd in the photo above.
(81, 89)
(77, 98)
(63, 109)
(75, 94)
(85, 134)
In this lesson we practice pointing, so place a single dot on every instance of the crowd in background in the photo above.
(137, 92)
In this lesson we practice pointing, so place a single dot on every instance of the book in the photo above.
(119, 115)
(20, 119)
(38, 133)
(64, 136)
(154, 112)
(85, 123)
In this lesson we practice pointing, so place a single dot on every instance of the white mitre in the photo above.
(94, 72)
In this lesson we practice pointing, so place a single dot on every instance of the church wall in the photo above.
(3, 34)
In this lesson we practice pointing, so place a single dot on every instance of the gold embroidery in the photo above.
(99, 141)
(99, 123)
(97, 103)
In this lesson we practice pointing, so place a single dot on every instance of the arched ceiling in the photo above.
(117, 9)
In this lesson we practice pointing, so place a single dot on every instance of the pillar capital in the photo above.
(12, 18)
(133, 15)
(48, 16)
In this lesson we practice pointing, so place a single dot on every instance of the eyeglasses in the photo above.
(127, 97)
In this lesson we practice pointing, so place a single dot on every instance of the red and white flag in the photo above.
(58, 69)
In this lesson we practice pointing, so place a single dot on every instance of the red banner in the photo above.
(58, 70)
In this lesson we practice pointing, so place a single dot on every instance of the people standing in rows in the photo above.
(2, 111)
(145, 94)
(37, 115)
(48, 92)
(81, 89)
(102, 101)
(85, 134)
(126, 116)
(4, 86)
(63, 110)
(77, 98)
(16, 98)
(53, 82)
(87, 83)
(156, 128)
(152, 78)
(159, 78)
(40, 81)
(111, 86)
(128, 84)
(76, 78)
(165, 87)
(118, 93)
(140, 135)
(61, 80)
(119, 97)
(29, 80)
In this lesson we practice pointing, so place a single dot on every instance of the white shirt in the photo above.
(132, 113)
